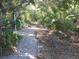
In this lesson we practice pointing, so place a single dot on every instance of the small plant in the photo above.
(8, 38)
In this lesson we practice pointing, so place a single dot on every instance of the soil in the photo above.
(60, 48)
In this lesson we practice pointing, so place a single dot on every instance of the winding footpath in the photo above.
(27, 48)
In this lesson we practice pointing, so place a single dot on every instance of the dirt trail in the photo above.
(30, 48)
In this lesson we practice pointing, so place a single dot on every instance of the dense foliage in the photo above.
(58, 14)
(53, 14)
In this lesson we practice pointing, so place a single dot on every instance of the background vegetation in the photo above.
(52, 14)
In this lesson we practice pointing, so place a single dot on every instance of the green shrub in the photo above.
(9, 39)
(64, 25)
(7, 36)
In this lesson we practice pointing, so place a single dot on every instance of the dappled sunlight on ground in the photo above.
(34, 28)
(30, 48)
(28, 55)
